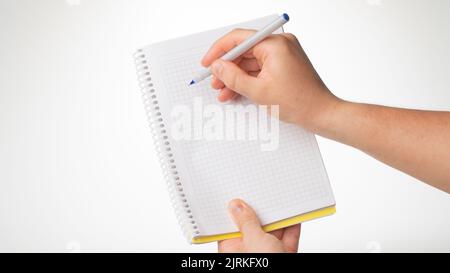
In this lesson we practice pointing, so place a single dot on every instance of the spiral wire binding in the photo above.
(164, 151)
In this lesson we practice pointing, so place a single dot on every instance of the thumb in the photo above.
(234, 77)
(245, 219)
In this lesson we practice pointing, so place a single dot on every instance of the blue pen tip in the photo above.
(285, 16)
(192, 82)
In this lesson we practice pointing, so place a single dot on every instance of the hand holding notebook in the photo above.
(254, 238)
(285, 186)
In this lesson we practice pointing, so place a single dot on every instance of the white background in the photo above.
(78, 170)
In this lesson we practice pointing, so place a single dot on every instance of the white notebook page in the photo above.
(278, 184)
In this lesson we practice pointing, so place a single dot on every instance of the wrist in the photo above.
(325, 114)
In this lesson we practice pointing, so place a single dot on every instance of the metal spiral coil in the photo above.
(163, 149)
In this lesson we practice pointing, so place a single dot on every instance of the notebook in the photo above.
(283, 178)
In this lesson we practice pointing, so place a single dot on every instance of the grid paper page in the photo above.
(278, 184)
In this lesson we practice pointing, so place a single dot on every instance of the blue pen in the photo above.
(244, 46)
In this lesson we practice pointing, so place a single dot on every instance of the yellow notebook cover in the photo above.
(270, 227)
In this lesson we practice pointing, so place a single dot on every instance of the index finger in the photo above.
(225, 44)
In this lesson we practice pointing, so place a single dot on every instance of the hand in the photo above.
(276, 71)
(254, 239)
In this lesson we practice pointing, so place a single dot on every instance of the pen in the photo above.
(244, 46)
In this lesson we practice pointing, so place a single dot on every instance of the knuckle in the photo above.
(285, 39)
(284, 43)
(282, 40)
(291, 37)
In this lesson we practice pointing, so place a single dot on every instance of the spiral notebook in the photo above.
(286, 185)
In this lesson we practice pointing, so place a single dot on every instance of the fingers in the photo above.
(230, 246)
(251, 66)
(291, 238)
(225, 44)
(226, 94)
(216, 83)
(291, 37)
(235, 78)
(278, 233)
(246, 220)
(235, 37)
(240, 75)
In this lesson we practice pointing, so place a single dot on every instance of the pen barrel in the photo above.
(254, 39)
(202, 74)
(245, 45)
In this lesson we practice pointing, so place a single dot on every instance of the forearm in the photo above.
(413, 141)
(416, 142)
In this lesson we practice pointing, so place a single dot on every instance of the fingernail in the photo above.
(236, 207)
(217, 67)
